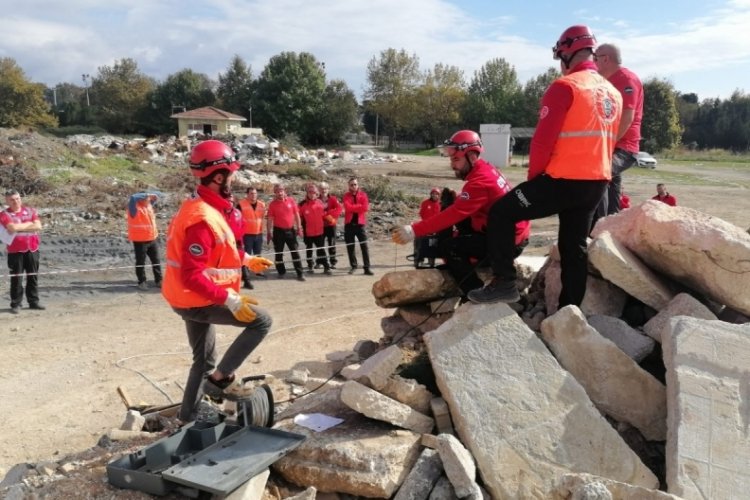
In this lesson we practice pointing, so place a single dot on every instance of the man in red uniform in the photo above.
(283, 226)
(142, 231)
(312, 212)
(609, 64)
(332, 212)
(356, 206)
(21, 226)
(202, 280)
(253, 212)
(663, 195)
(484, 186)
(426, 247)
(569, 168)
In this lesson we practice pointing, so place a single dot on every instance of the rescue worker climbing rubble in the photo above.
(202, 280)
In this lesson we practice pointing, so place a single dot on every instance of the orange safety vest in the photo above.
(584, 148)
(253, 217)
(142, 227)
(224, 263)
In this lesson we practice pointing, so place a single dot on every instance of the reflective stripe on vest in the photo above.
(223, 267)
(584, 147)
(253, 217)
(142, 227)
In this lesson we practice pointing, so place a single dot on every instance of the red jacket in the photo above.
(667, 198)
(282, 213)
(429, 208)
(332, 207)
(312, 212)
(356, 204)
(484, 185)
(22, 242)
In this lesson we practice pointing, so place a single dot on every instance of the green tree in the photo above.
(532, 96)
(339, 113)
(660, 128)
(288, 95)
(495, 95)
(119, 93)
(392, 80)
(235, 88)
(184, 89)
(440, 99)
(22, 102)
(733, 123)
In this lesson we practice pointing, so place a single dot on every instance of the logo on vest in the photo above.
(195, 249)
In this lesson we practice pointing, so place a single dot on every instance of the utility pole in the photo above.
(85, 77)
(250, 115)
(377, 120)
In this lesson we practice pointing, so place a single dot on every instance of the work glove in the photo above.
(240, 306)
(257, 264)
(403, 235)
(329, 220)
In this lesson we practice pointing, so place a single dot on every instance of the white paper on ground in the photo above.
(317, 421)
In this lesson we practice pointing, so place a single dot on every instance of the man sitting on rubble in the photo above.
(202, 280)
(484, 185)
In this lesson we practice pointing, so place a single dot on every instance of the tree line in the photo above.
(292, 95)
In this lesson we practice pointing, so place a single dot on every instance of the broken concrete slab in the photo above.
(632, 342)
(620, 266)
(443, 490)
(377, 406)
(708, 389)
(683, 304)
(573, 487)
(400, 288)
(360, 456)
(422, 477)
(375, 370)
(705, 253)
(459, 465)
(603, 298)
(410, 392)
(525, 420)
(614, 382)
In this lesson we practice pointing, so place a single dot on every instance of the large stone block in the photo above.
(360, 456)
(379, 407)
(399, 288)
(525, 420)
(708, 395)
(632, 342)
(573, 487)
(613, 381)
(682, 304)
(705, 253)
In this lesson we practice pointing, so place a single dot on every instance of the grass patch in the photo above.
(380, 189)
(707, 155)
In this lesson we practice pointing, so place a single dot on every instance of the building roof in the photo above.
(209, 113)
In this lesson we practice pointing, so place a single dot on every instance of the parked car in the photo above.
(644, 159)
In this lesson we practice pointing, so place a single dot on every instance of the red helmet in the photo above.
(462, 142)
(572, 40)
(435, 190)
(209, 156)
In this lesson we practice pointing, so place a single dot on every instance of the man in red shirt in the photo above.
(569, 168)
(484, 186)
(21, 226)
(356, 206)
(283, 226)
(202, 280)
(331, 215)
(663, 195)
(609, 64)
(312, 212)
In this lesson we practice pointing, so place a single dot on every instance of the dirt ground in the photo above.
(61, 367)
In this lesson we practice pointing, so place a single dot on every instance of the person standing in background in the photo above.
(22, 225)
(663, 195)
(356, 206)
(311, 212)
(283, 226)
(144, 234)
(253, 212)
(332, 212)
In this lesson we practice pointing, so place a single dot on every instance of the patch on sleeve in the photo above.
(463, 196)
(628, 90)
(195, 249)
(543, 112)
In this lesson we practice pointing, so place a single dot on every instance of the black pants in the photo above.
(352, 231)
(329, 233)
(19, 263)
(610, 202)
(286, 237)
(574, 202)
(150, 249)
(317, 242)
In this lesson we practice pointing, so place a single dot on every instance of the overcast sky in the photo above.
(700, 46)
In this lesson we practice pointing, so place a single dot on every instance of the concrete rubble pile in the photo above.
(641, 393)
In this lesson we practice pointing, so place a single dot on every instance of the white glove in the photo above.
(403, 235)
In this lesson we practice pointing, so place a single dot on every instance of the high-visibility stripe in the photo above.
(587, 133)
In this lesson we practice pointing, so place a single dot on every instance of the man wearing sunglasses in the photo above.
(569, 168)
